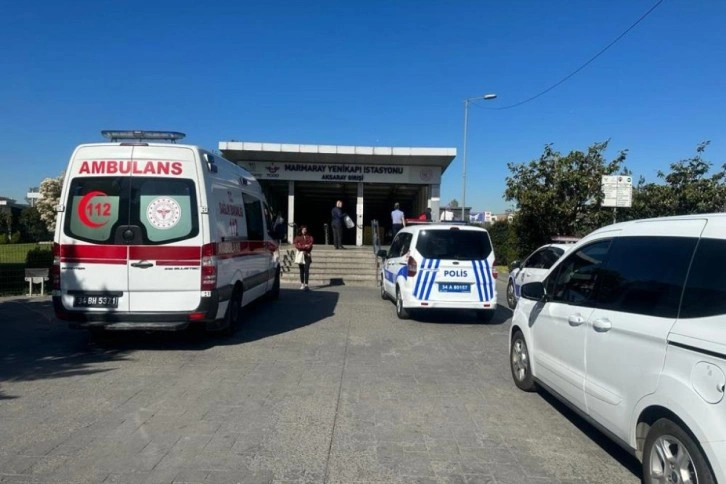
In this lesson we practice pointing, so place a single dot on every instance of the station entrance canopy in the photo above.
(302, 182)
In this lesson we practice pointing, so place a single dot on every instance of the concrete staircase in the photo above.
(352, 266)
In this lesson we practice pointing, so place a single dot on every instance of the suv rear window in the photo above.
(163, 209)
(454, 244)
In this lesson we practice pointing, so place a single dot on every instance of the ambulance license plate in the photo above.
(95, 302)
(454, 287)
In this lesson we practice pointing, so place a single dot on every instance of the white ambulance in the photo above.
(154, 235)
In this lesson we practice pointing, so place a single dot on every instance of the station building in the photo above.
(303, 182)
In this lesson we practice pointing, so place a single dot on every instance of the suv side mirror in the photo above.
(534, 291)
(382, 253)
(515, 264)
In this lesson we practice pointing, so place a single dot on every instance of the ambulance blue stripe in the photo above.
(433, 278)
(485, 276)
(419, 276)
(427, 273)
(491, 279)
(478, 279)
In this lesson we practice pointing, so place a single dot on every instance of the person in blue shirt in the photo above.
(337, 224)
(398, 221)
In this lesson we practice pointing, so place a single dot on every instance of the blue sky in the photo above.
(380, 73)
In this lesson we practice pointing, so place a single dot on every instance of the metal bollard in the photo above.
(325, 229)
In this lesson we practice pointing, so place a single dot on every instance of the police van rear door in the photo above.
(166, 229)
(457, 265)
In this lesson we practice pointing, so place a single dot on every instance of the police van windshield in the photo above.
(454, 244)
(163, 209)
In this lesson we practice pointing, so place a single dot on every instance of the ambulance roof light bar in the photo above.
(140, 135)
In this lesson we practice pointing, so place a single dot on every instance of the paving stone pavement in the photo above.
(324, 386)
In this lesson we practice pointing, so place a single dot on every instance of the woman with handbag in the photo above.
(303, 245)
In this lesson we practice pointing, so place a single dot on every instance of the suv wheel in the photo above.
(401, 312)
(519, 363)
(511, 298)
(672, 455)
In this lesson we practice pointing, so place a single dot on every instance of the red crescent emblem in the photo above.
(82, 210)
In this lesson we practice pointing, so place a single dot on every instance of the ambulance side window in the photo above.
(253, 214)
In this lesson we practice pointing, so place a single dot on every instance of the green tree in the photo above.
(32, 228)
(504, 241)
(454, 203)
(688, 189)
(559, 194)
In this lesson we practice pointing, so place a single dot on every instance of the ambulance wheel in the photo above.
(233, 315)
(401, 312)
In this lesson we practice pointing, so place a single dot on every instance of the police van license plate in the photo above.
(454, 287)
(95, 302)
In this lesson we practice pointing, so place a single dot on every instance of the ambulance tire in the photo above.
(401, 311)
(233, 315)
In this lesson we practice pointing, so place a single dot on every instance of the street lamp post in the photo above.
(467, 101)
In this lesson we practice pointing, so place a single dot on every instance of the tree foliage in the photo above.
(50, 191)
(687, 189)
(32, 228)
(559, 194)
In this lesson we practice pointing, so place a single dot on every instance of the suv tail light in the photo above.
(209, 267)
(412, 266)
(55, 268)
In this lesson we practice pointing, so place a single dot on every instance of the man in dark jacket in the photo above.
(337, 224)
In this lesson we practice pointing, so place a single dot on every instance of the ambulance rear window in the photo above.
(454, 244)
(163, 209)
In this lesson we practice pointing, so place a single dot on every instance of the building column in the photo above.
(359, 216)
(290, 211)
(435, 202)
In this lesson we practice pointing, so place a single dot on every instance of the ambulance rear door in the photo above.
(167, 233)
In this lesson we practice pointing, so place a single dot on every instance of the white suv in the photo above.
(629, 329)
(440, 265)
(532, 269)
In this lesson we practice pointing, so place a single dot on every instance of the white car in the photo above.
(628, 328)
(440, 265)
(532, 269)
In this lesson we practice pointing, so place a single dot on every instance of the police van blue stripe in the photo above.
(486, 277)
(419, 276)
(478, 280)
(433, 278)
(425, 281)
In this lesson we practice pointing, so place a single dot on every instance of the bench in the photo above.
(36, 276)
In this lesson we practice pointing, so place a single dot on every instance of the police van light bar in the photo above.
(140, 135)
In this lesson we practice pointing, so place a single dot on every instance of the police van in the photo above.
(155, 235)
(440, 265)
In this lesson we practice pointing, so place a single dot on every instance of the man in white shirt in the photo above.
(398, 221)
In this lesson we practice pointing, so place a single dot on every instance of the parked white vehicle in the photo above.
(532, 269)
(628, 328)
(158, 236)
(440, 265)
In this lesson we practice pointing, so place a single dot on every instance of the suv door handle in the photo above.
(142, 264)
(575, 320)
(602, 325)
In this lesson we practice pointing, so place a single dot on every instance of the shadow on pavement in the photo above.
(454, 316)
(34, 345)
(614, 450)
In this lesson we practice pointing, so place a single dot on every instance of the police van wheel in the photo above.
(383, 291)
(233, 315)
(401, 312)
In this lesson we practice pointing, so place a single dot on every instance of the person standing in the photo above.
(337, 224)
(304, 245)
(398, 221)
